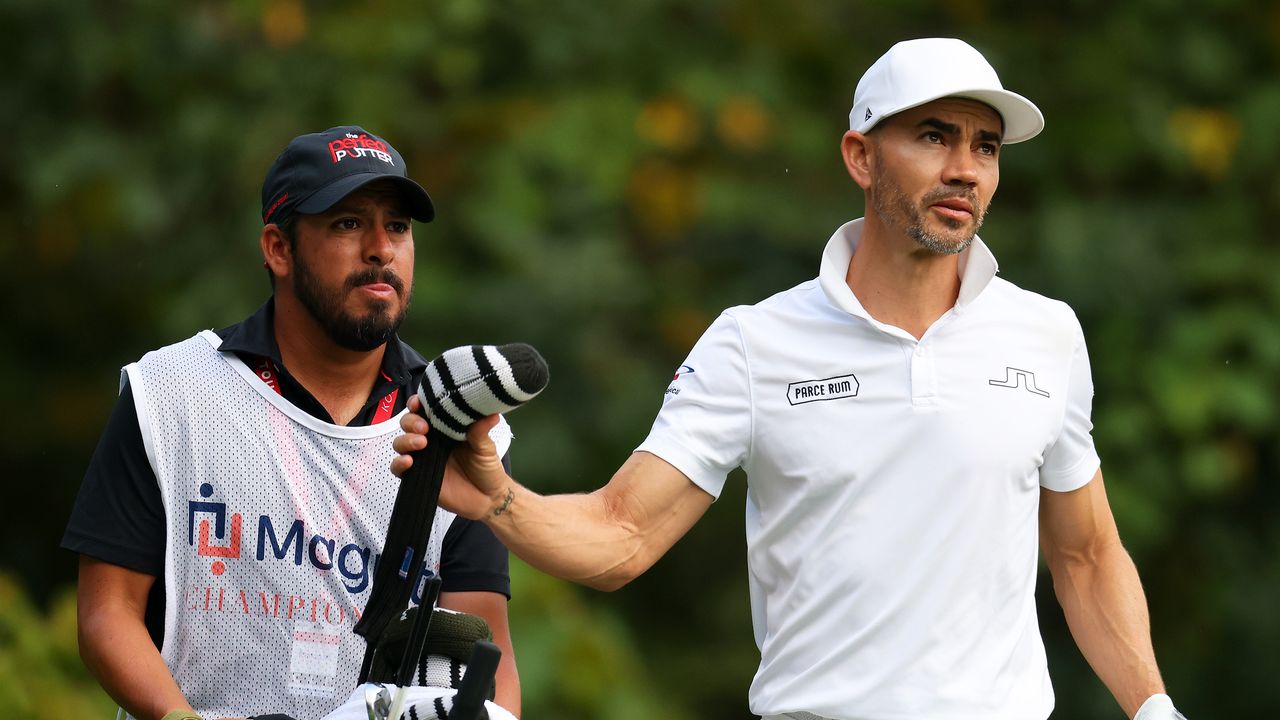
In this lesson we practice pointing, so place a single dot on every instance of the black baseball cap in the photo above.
(319, 169)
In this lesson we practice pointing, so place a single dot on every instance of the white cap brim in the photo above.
(1022, 119)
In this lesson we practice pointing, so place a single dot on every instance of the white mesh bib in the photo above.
(275, 522)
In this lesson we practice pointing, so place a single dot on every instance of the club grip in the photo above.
(468, 703)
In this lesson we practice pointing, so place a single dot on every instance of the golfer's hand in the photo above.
(475, 482)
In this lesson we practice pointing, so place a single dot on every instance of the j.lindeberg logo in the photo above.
(832, 388)
(1015, 378)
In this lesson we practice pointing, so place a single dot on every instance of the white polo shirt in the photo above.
(893, 488)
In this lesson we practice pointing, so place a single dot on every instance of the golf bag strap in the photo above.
(407, 535)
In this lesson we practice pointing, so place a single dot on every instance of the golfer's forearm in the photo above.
(1106, 609)
(582, 538)
(118, 651)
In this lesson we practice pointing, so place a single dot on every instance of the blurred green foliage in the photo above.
(610, 176)
(41, 676)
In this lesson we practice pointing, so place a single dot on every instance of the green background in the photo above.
(608, 177)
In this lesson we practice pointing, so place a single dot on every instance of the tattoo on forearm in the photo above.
(506, 503)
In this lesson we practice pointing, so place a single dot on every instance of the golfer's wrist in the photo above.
(1158, 707)
(501, 502)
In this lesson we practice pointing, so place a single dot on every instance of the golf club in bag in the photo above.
(458, 388)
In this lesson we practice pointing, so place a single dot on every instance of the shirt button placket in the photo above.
(923, 377)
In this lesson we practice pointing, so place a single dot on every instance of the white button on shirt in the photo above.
(893, 488)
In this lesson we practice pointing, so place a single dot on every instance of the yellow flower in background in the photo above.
(284, 22)
(669, 122)
(665, 199)
(1208, 136)
(743, 123)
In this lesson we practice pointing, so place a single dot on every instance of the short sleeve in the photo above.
(118, 515)
(1072, 461)
(472, 558)
(704, 426)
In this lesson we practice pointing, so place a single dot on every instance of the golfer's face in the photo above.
(936, 167)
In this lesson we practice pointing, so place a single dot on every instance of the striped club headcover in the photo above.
(471, 382)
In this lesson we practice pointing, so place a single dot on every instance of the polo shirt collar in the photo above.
(977, 267)
(255, 335)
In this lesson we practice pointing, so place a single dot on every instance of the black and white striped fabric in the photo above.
(468, 383)
(423, 703)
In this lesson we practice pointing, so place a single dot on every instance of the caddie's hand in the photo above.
(474, 482)
(1158, 707)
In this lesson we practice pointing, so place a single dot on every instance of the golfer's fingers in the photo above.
(409, 442)
(478, 433)
(414, 438)
(401, 464)
(412, 422)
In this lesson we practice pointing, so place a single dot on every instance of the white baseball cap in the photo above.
(915, 72)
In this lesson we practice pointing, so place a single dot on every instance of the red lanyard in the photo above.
(267, 373)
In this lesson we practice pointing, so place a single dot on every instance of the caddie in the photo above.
(237, 502)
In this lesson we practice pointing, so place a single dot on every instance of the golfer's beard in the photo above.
(358, 333)
(896, 209)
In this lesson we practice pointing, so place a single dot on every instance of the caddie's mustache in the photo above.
(375, 275)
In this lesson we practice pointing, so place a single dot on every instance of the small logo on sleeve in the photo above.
(672, 390)
(832, 388)
(1015, 378)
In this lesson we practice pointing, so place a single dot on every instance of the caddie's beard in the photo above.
(896, 209)
(353, 332)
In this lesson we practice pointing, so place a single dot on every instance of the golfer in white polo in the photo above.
(912, 428)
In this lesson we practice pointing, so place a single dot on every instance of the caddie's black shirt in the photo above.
(118, 515)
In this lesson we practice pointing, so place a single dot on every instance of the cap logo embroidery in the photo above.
(359, 146)
(832, 388)
(868, 115)
(275, 206)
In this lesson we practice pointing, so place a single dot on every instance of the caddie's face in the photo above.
(353, 266)
(934, 171)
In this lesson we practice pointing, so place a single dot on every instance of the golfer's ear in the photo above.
(856, 150)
